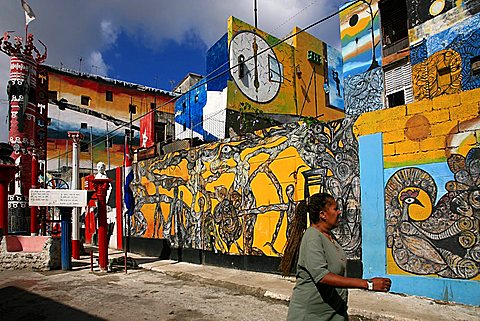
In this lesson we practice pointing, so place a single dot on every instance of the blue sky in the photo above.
(149, 42)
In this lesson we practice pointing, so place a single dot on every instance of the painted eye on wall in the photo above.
(353, 20)
(409, 200)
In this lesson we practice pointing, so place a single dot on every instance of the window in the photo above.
(108, 95)
(84, 147)
(153, 105)
(475, 62)
(184, 106)
(85, 100)
(52, 95)
(398, 83)
(393, 17)
(196, 98)
(396, 99)
(275, 70)
(184, 127)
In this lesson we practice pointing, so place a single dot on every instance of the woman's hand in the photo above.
(381, 284)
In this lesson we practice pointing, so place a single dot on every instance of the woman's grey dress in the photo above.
(311, 300)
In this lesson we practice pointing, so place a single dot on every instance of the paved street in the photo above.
(170, 290)
(138, 295)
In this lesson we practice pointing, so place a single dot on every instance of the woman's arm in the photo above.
(379, 284)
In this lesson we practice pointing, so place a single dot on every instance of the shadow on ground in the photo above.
(18, 304)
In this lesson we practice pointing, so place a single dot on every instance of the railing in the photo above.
(395, 47)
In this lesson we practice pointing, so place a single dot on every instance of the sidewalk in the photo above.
(371, 305)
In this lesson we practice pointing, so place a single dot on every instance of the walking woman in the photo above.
(321, 291)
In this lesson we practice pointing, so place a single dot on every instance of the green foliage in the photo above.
(309, 120)
(250, 115)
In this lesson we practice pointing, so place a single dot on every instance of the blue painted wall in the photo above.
(189, 111)
(217, 65)
(335, 77)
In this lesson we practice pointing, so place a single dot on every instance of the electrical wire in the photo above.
(210, 77)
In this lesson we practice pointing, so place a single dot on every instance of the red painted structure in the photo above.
(119, 206)
(90, 221)
(23, 99)
(101, 186)
(7, 173)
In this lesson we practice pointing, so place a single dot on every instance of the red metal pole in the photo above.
(101, 186)
(119, 206)
(7, 173)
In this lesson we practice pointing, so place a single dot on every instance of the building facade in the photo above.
(255, 80)
(100, 108)
(398, 52)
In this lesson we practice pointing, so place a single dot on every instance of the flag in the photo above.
(127, 191)
(147, 130)
(29, 15)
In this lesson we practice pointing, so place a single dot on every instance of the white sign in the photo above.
(58, 197)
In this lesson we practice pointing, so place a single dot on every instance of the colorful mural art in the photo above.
(334, 78)
(361, 51)
(421, 11)
(360, 37)
(276, 78)
(439, 74)
(429, 17)
(239, 196)
(427, 237)
(443, 62)
(364, 92)
(95, 105)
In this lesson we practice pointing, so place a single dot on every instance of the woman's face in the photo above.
(331, 214)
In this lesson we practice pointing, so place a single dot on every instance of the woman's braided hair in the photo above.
(312, 205)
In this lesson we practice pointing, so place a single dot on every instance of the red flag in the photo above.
(147, 130)
(29, 15)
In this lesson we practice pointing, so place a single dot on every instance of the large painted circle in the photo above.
(242, 48)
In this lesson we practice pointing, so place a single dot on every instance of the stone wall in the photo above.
(48, 258)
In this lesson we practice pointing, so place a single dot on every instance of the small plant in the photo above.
(251, 115)
(309, 120)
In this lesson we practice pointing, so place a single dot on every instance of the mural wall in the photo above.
(442, 64)
(335, 78)
(102, 105)
(430, 180)
(361, 51)
(239, 196)
(277, 80)
(427, 18)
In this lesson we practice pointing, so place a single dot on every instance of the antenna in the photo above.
(255, 12)
(80, 67)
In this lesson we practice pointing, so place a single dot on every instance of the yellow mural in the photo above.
(280, 80)
(440, 74)
(238, 197)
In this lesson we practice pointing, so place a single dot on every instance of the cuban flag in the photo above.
(127, 192)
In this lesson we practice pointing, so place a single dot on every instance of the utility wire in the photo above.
(209, 76)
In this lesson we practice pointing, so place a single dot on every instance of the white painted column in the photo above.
(76, 138)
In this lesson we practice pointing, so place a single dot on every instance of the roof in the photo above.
(111, 81)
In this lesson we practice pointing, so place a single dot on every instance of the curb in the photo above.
(246, 289)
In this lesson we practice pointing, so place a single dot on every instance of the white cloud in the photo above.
(109, 32)
(98, 66)
(77, 32)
